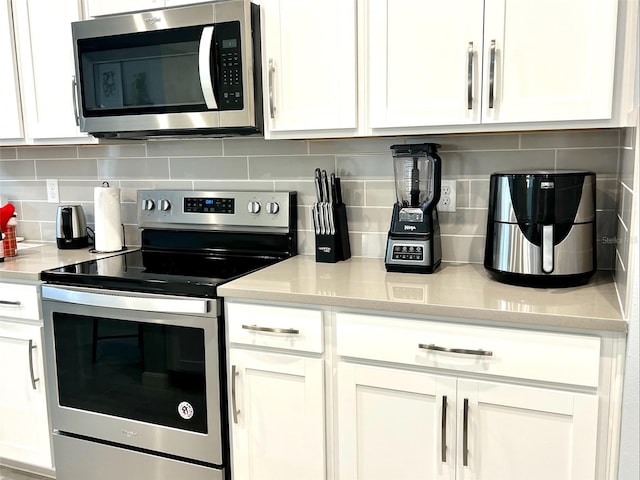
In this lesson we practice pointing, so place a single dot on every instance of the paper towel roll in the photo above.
(108, 231)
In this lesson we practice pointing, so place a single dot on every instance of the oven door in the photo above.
(122, 370)
(170, 70)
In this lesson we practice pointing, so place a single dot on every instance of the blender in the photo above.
(413, 243)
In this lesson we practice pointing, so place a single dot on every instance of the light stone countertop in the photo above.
(463, 291)
(33, 258)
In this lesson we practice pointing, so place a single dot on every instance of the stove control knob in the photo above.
(148, 204)
(164, 205)
(273, 208)
(253, 207)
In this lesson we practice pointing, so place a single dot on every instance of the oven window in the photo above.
(140, 371)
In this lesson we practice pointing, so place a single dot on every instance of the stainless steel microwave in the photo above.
(191, 70)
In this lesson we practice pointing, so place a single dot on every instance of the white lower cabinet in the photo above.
(427, 399)
(24, 422)
(327, 394)
(277, 393)
(395, 423)
(278, 427)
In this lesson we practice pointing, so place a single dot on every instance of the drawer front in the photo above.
(533, 355)
(288, 328)
(19, 301)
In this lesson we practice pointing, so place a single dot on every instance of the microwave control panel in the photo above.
(230, 57)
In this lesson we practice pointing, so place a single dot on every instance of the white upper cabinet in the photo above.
(553, 60)
(461, 62)
(385, 67)
(309, 67)
(46, 69)
(10, 118)
(96, 8)
(423, 62)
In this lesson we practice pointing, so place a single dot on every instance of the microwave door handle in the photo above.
(74, 95)
(204, 64)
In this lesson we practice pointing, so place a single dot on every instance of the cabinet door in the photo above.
(278, 424)
(395, 424)
(95, 8)
(552, 60)
(10, 119)
(424, 62)
(46, 65)
(24, 429)
(309, 65)
(525, 433)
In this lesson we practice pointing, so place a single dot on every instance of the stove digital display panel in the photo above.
(209, 205)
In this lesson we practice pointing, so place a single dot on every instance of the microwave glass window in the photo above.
(159, 71)
(136, 370)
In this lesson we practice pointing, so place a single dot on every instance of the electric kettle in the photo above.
(71, 227)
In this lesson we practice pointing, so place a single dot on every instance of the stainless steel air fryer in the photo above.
(541, 227)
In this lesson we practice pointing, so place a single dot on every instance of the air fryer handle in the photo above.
(546, 247)
(67, 230)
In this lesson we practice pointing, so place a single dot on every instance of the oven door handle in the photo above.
(155, 303)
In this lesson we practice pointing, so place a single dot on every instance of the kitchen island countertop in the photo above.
(463, 291)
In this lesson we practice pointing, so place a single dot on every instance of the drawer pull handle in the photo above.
(444, 429)
(255, 328)
(33, 377)
(431, 346)
(234, 374)
(465, 433)
(8, 302)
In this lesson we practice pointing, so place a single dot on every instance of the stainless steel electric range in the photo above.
(135, 343)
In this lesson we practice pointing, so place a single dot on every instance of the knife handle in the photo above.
(338, 190)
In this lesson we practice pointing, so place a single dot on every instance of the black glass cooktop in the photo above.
(165, 272)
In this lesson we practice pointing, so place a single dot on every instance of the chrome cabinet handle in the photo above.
(33, 377)
(465, 433)
(444, 429)
(492, 72)
(464, 351)
(470, 77)
(74, 93)
(9, 302)
(234, 374)
(31, 347)
(204, 67)
(272, 106)
(255, 328)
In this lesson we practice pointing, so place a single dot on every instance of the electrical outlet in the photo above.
(53, 195)
(447, 201)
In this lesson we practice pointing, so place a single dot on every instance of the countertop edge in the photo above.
(520, 318)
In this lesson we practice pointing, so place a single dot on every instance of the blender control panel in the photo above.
(407, 252)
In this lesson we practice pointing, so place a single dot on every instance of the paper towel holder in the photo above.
(105, 184)
(124, 244)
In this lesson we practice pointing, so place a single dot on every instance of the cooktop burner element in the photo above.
(193, 241)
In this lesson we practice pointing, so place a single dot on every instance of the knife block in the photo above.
(334, 248)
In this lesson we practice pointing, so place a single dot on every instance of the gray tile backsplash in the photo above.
(364, 164)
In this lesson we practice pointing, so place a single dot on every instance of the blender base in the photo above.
(413, 253)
